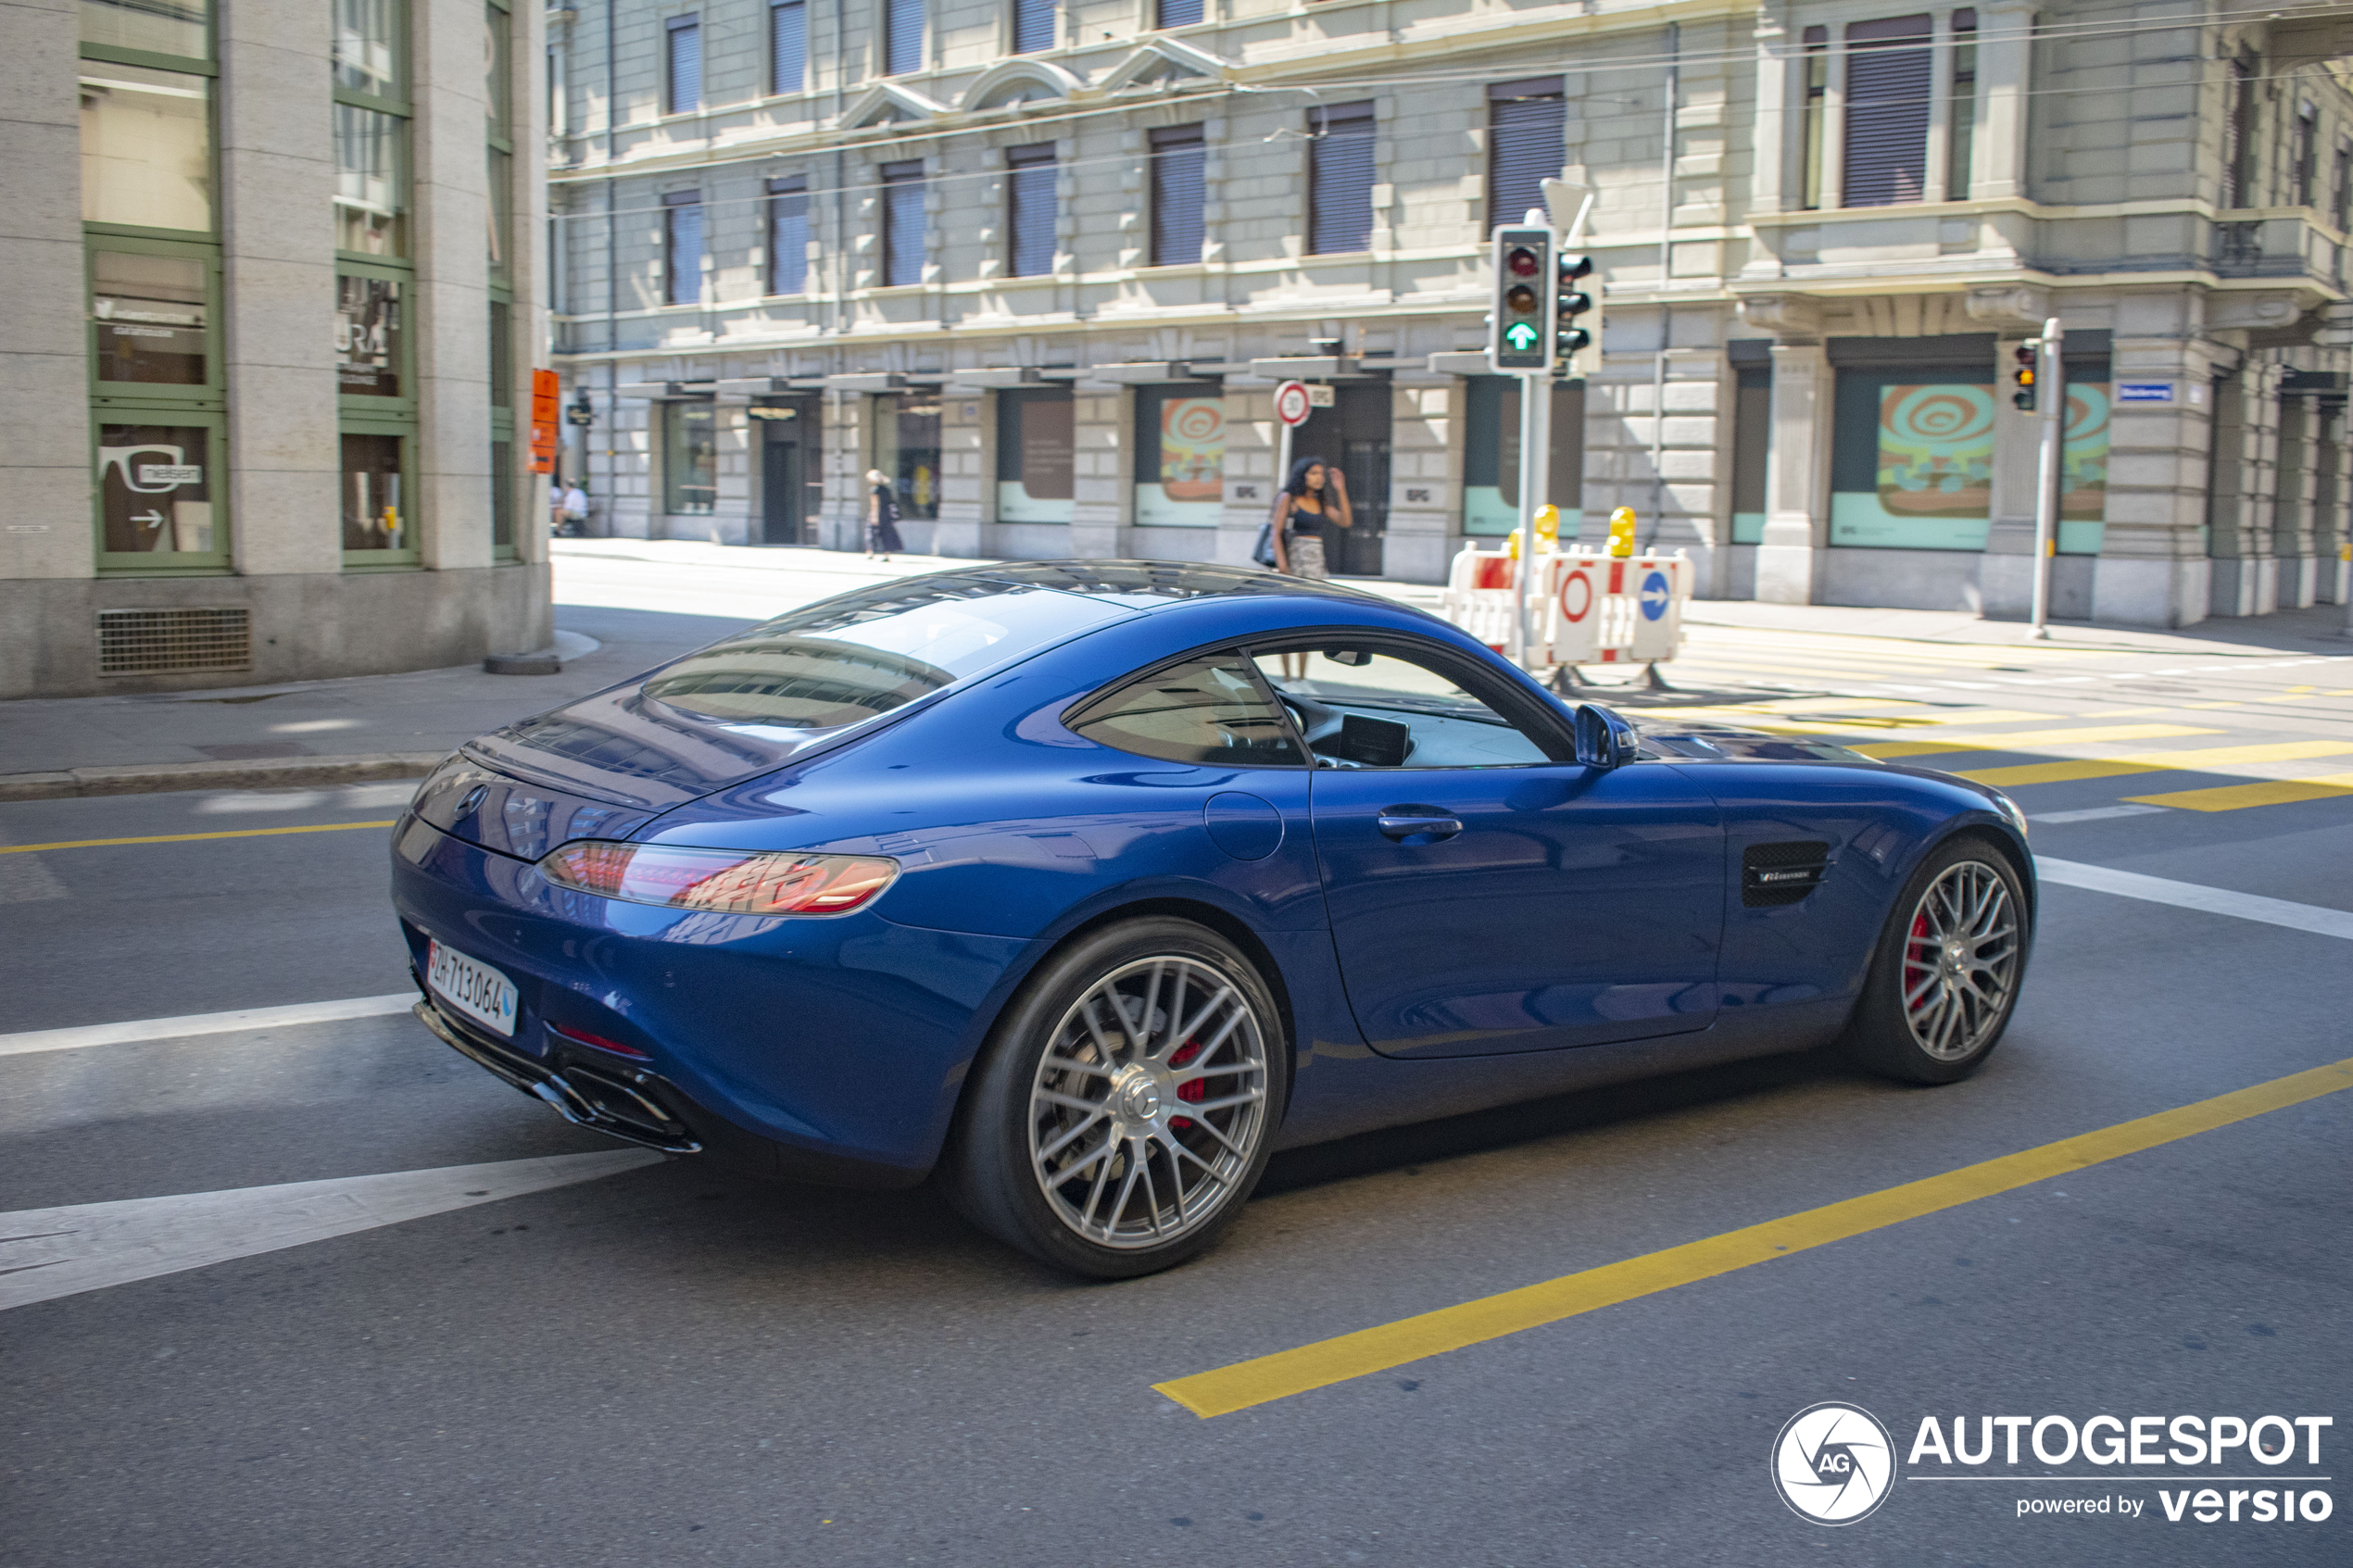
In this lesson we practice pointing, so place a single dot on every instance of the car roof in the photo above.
(1148, 585)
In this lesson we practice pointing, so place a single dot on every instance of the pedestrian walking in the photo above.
(572, 509)
(882, 517)
(1313, 497)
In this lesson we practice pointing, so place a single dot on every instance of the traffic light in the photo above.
(1522, 338)
(2029, 354)
(1576, 311)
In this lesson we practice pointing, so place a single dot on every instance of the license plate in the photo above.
(474, 988)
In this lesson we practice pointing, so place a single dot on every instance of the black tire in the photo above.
(1958, 1012)
(1030, 1170)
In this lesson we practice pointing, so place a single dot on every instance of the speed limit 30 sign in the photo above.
(1293, 403)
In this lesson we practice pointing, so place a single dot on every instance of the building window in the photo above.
(152, 315)
(689, 458)
(906, 447)
(903, 36)
(369, 337)
(902, 215)
(788, 46)
(375, 510)
(147, 148)
(1526, 141)
(2306, 154)
(1029, 209)
(1180, 160)
(788, 234)
(367, 47)
(1033, 26)
(682, 247)
(2238, 135)
(183, 28)
(1180, 457)
(156, 490)
(2341, 187)
(1340, 182)
(1752, 449)
(370, 191)
(1036, 436)
(1490, 456)
(1813, 116)
(559, 118)
(1960, 140)
(1889, 72)
(1177, 13)
(683, 78)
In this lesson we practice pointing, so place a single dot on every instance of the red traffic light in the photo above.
(1520, 261)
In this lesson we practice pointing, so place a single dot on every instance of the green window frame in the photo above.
(402, 405)
(151, 504)
(405, 557)
(395, 104)
(106, 394)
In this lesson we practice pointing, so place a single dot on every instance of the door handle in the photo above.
(1417, 821)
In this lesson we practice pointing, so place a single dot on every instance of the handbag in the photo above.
(1263, 551)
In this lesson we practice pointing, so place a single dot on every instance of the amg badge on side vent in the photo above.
(1781, 873)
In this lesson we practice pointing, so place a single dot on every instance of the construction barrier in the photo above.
(1591, 608)
(1480, 596)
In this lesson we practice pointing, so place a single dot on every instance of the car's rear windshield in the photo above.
(858, 656)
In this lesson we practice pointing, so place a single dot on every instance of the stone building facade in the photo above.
(273, 299)
(1043, 265)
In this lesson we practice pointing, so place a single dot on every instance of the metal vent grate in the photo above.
(1774, 875)
(166, 641)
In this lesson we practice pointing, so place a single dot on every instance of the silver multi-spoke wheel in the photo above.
(1961, 961)
(1148, 1103)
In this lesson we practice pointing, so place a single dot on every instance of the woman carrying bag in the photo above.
(1312, 497)
(882, 517)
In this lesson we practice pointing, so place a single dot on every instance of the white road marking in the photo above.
(2195, 895)
(203, 1024)
(2093, 813)
(46, 1253)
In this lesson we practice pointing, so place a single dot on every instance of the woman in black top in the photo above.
(882, 516)
(1313, 495)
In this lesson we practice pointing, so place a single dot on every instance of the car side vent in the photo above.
(1773, 874)
(166, 642)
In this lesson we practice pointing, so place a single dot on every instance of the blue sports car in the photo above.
(1083, 887)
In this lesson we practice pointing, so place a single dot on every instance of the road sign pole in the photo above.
(2051, 392)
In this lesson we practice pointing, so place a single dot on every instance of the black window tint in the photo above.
(1202, 710)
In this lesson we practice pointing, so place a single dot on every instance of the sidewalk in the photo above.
(626, 604)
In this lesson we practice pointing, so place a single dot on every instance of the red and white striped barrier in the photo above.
(1591, 608)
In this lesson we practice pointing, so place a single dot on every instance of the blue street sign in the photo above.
(1655, 595)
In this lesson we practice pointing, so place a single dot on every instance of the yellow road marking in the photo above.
(2021, 739)
(1229, 1388)
(191, 837)
(2267, 792)
(1907, 720)
(2205, 759)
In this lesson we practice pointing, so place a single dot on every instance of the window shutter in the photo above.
(1029, 209)
(1179, 165)
(903, 36)
(1177, 12)
(1340, 186)
(788, 46)
(788, 235)
(686, 65)
(902, 223)
(1526, 144)
(1887, 93)
(682, 247)
(1033, 26)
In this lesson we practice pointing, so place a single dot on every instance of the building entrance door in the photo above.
(790, 485)
(1353, 433)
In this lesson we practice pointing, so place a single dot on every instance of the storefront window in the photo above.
(368, 195)
(1180, 458)
(689, 458)
(367, 47)
(1752, 452)
(1912, 464)
(1034, 439)
(150, 316)
(2084, 466)
(368, 329)
(154, 486)
(158, 27)
(906, 448)
(147, 148)
(375, 514)
(1490, 456)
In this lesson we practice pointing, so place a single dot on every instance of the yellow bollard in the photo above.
(1548, 527)
(1621, 531)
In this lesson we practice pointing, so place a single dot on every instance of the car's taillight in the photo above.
(730, 882)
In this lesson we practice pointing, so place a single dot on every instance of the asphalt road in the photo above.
(667, 1365)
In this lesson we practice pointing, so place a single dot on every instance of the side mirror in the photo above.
(1603, 740)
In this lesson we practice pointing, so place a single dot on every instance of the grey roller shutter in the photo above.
(682, 247)
(1029, 209)
(1526, 144)
(686, 65)
(1340, 186)
(1179, 164)
(788, 235)
(1177, 12)
(1887, 93)
(903, 36)
(1033, 26)
(788, 46)
(902, 223)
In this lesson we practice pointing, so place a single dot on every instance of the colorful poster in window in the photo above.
(1190, 474)
(1933, 473)
(2083, 470)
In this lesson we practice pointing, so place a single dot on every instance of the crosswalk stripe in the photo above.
(2203, 759)
(186, 1024)
(2022, 739)
(2265, 792)
(1919, 719)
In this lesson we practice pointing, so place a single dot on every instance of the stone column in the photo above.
(963, 474)
(2294, 527)
(2005, 81)
(1797, 464)
(2332, 511)
(2006, 572)
(277, 231)
(1772, 134)
(449, 197)
(1253, 437)
(2153, 568)
(1421, 503)
(1103, 463)
(2245, 571)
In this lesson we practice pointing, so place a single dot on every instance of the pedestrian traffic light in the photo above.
(1522, 336)
(1576, 311)
(2028, 354)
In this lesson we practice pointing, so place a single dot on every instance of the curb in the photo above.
(155, 778)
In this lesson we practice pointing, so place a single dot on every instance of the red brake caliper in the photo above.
(1191, 1090)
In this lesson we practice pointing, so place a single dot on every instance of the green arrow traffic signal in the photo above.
(1520, 336)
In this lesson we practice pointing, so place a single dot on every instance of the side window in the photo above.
(1205, 710)
(1370, 707)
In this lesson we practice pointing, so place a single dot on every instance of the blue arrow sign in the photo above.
(1655, 595)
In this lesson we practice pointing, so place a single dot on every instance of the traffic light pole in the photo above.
(2051, 404)
(1535, 466)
